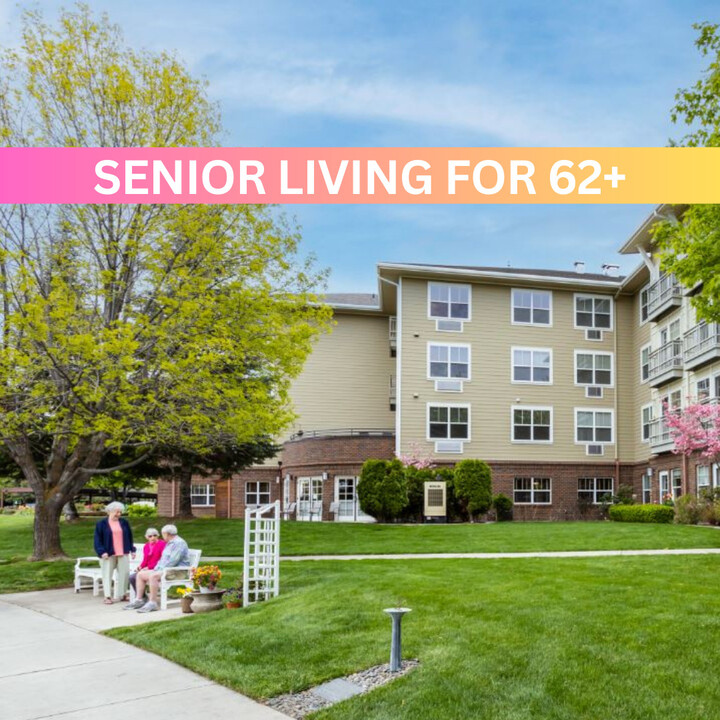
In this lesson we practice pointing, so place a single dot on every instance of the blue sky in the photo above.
(482, 73)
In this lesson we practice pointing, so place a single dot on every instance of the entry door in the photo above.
(347, 500)
(309, 498)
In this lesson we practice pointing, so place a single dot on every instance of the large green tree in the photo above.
(125, 328)
(690, 244)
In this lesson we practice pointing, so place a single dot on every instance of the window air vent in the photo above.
(448, 446)
(448, 386)
(449, 325)
(593, 334)
(595, 450)
(593, 392)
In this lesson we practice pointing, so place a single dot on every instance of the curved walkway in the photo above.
(483, 556)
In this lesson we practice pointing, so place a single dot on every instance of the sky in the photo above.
(434, 74)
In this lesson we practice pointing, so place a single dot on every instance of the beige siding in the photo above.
(345, 381)
(490, 393)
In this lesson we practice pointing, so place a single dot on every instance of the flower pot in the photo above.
(207, 589)
(232, 605)
(207, 601)
(185, 603)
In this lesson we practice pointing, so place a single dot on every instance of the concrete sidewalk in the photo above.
(54, 665)
(485, 556)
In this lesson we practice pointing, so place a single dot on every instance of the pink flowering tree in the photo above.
(695, 429)
(416, 458)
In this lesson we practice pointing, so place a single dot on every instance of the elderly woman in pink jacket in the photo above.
(152, 551)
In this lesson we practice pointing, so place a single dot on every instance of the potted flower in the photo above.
(206, 577)
(232, 598)
(186, 598)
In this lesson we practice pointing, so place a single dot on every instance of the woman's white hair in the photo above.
(169, 529)
(111, 507)
(151, 531)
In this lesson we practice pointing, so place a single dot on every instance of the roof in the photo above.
(525, 271)
(369, 300)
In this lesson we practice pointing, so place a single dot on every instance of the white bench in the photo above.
(178, 577)
(88, 570)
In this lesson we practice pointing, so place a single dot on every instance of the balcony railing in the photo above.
(342, 432)
(392, 390)
(663, 296)
(702, 345)
(393, 333)
(666, 363)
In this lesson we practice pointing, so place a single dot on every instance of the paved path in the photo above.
(484, 556)
(54, 665)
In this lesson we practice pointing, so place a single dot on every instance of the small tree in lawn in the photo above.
(695, 429)
(473, 487)
(418, 470)
(382, 489)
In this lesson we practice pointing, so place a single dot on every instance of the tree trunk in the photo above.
(70, 511)
(185, 477)
(47, 530)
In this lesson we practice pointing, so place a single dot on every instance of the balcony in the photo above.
(392, 391)
(663, 297)
(702, 345)
(393, 334)
(660, 439)
(666, 363)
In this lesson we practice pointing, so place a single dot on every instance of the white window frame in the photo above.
(664, 487)
(586, 296)
(676, 473)
(651, 408)
(257, 492)
(532, 490)
(644, 289)
(595, 491)
(646, 488)
(532, 351)
(531, 409)
(709, 382)
(209, 494)
(595, 353)
(647, 347)
(708, 484)
(449, 346)
(432, 283)
(595, 411)
(531, 323)
(450, 406)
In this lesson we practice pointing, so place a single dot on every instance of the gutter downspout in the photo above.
(617, 391)
(398, 359)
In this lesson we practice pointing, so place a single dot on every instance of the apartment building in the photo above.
(556, 378)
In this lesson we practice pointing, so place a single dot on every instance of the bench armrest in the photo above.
(87, 558)
(176, 568)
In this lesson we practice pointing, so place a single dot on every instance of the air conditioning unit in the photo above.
(449, 446)
(595, 450)
(593, 334)
(593, 392)
(449, 325)
(448, 385)
(435, 508)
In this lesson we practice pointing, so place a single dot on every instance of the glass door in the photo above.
(347, 501)
(309, 499)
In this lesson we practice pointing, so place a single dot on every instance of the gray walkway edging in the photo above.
(485, 556)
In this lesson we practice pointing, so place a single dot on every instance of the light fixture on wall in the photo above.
(324, 476)
(416, 395)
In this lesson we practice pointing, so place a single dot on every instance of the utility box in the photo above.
(435, 509)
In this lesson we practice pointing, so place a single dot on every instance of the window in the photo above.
(593, 368)
(671, 402)
(531, 307)
(664, 478)
(702, 472)
(670, 333)
(593, 426)
(448, 361)
(449, 301)
(595, 490)
(532, 491)
(646, 422)
(593, 311)
(676, 483)
(702, 390)
(532, 424)
(257, 493)
(647, 487)
(532, 365)
(448, 422)
(645, 363)
(644, 297)
(202, 495)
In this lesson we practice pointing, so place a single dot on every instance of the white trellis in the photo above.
(261, 566)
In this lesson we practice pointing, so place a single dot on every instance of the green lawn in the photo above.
(622, 638)
(225, 537)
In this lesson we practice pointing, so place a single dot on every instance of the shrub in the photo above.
(382, 489)
(503, 507)
(642, 513)
(625, 495)
(415, 479)
(138, 510)
(473, 487)
(689, 509)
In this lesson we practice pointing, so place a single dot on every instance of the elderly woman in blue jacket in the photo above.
(114, 545)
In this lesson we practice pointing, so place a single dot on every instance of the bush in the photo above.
(473, 487)
(642, 513)
(689, 509)
(415, 479)
(138, 510)
(503, 507)
(625, 495)
(382, 489)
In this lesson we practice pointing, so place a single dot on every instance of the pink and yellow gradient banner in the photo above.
(360, 175)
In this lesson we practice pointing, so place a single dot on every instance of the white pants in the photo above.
(121, 563)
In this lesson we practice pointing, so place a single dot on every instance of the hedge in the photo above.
(642, 513)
